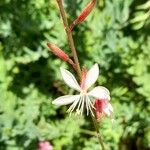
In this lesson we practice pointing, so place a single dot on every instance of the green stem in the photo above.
(88, 132)
(97, 131)
(70, 38)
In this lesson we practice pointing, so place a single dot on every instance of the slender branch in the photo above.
(97, 131)
(70, 38)
(78, 69)
(88, 132)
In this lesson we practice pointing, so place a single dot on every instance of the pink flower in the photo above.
(45, 145)
(103, 107)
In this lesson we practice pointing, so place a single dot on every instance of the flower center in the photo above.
(83, 92)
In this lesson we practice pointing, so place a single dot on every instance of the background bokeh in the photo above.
(116, 35)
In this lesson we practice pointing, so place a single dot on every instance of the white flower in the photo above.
(84, 99)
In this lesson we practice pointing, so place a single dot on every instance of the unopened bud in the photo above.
(85, 12)
(98, 109)
(58, 52)
(103, 107)
(61, 54)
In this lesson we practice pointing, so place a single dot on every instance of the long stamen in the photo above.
(90, 105)
(79, 105)
(78, 111)
(82, 107)
(83, 100)
(87, 108)
(72, 107)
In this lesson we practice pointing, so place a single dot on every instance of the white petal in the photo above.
(92, 76)
(70, 79)
(100, 92)
(65, 100)
(110, 107)
(107, 112)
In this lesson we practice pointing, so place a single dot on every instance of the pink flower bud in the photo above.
(85, 12)
(58, 52)
(45, 145)
(103, 107)
(61, 54)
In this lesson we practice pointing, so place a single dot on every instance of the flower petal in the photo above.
(108, 110)
(92, 76)
(70, 79)
(100, 93)
(65, 100)
(110, 107)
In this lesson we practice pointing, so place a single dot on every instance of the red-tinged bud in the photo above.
(103, 107)
(85, 12)
(61, 54)
(58, 52)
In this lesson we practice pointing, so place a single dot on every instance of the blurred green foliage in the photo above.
(116, 35)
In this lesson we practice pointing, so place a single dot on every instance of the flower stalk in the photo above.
(97, 131)
(74, 53)
(69, 36)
